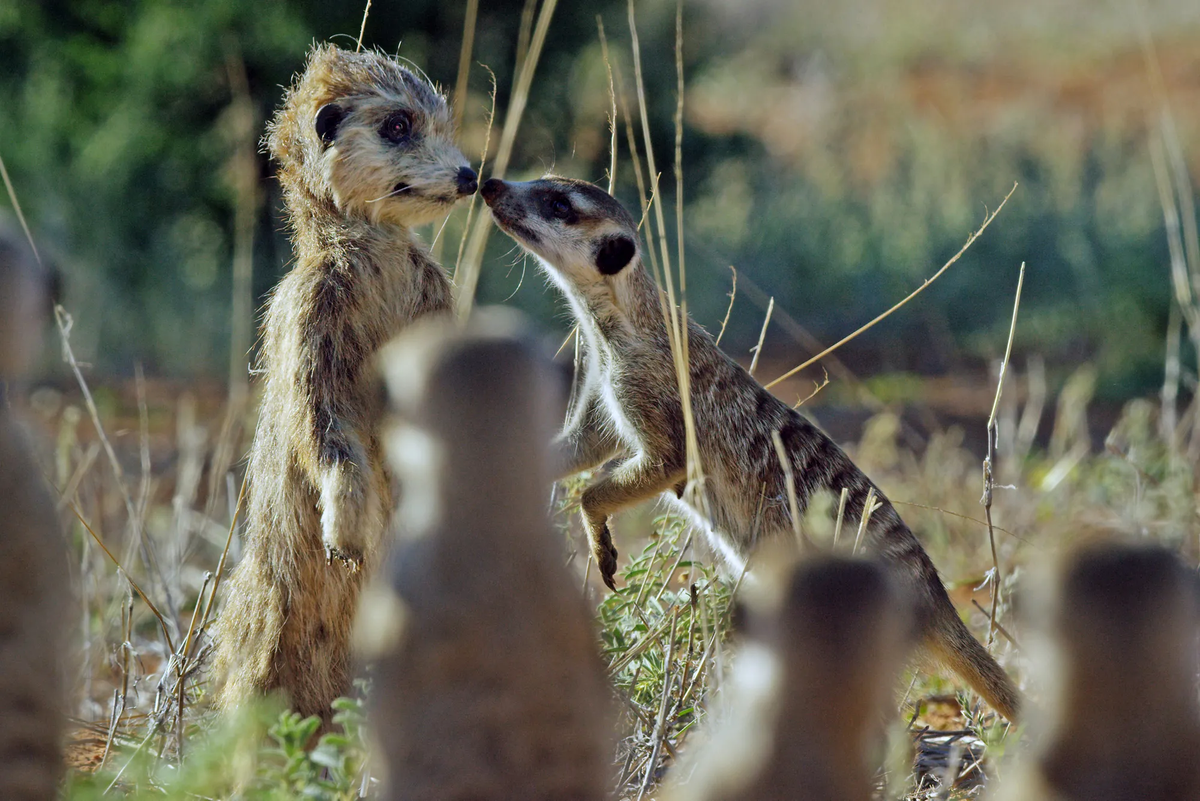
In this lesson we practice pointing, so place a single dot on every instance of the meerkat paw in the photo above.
(350, 518)
(606, 556)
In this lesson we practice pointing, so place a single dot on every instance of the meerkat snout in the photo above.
(468, 181)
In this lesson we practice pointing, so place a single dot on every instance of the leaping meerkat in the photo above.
(811, 692)
(1117, 641)
(588, 245)
(35, 586)
(493, 687)
(366, 152)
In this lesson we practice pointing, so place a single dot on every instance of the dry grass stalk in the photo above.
(729, 308)
(362, 29)
(612, 112)
(466, 273)
(970, 241)
(989, 461)
(762, 335)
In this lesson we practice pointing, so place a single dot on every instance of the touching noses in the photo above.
(467, 181)
(492, 188)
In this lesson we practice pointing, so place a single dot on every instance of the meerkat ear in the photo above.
(329, 117)
(614, 253)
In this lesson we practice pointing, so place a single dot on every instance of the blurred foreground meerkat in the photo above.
(629, 404)
(365, 151)
(35, 587)
(812, 692)
(1119, 660)
(489, 684)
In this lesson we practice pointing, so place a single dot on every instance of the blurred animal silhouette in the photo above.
(1119, 644)
(493, 687)
(365, 151)
(812, 694)
(35, 588)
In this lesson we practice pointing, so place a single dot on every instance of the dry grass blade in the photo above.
(16, 204)
(674, 315)
(464, 61)
(989, 460)
(64, 322)
(124, 573)
(790, 481)
(869, 507)
(660, 732)
(970, 241)
(841, 515)
(612, 112)
(244, 166)
(467, 271)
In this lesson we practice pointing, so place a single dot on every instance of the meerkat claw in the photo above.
(352, 561)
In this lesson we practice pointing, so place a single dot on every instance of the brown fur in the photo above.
(318, 489)
(812, 692)
(495, 688)
(1119, 646)
(629, 405)
(34, 583)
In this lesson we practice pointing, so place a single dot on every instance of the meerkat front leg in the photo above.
(350, 507)
(638, 479)
(586, 444)
(352, 512)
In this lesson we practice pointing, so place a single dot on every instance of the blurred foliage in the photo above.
(835, 153)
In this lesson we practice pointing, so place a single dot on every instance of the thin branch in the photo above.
(970, 240)
(989, 463)
(762, 335)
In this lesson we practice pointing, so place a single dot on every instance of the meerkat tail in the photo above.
(944, 636)
(952, 644)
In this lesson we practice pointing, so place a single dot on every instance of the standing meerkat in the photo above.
(1117, 645)
(494, 687)
(587, 243)
(35, 587)
(366, 151)
(812, 692)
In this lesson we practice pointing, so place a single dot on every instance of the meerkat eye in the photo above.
(561, 208)
(397, 127)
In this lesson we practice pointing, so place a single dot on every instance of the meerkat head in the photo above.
(364, 133)
(578, 230)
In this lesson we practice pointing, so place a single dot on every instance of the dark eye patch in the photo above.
(557, 206)
(397, 128)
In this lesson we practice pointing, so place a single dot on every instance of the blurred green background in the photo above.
(836, 154)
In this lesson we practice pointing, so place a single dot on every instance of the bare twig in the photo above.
(729, 308)
(762, 335)
(660, 732)
(988, 462)
(16, 204)
(970, 240)
(362, 29)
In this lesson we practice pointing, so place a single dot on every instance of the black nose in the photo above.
(492, 189)
(467, 180)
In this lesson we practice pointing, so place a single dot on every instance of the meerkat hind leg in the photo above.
(636, 480)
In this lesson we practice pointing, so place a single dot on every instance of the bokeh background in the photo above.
(835, 153)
